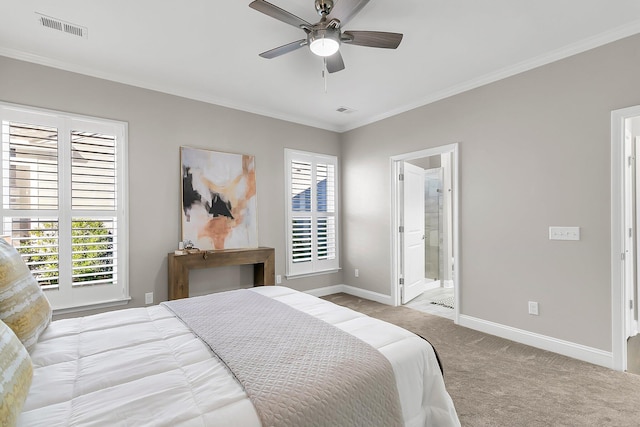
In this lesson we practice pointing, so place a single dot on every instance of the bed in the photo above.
(144, 366)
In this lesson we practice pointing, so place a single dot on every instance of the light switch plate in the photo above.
(564, 233)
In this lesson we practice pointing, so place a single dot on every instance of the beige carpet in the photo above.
(496, 382)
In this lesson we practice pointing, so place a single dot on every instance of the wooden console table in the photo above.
(263, 260)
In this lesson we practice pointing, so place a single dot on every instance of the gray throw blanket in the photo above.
(296, 369)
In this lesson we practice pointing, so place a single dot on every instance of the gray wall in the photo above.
(158, 125)
(534, 152)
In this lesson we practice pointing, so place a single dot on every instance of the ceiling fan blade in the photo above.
(372, 39)
(345, 10)
(279, 14)
(289, 47)
(334, 62)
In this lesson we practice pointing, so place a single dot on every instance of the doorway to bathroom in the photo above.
(425, 230)
(625, 245)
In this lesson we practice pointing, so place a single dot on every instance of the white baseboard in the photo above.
(329, 290)
(435, 284)
(351, 290)
(566, 348)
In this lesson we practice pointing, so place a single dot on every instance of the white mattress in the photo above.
(142, 366)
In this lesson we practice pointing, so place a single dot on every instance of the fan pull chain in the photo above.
(324, 73)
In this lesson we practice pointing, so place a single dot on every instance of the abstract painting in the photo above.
(218, 199)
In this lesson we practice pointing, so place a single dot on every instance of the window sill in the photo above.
(315, 273)
(92, 306)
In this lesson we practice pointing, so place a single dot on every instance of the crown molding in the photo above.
(556, 55)
(167, 89)
(548, 58)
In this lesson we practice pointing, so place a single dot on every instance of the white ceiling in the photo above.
(208, 50)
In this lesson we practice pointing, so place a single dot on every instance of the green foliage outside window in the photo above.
(92, 246)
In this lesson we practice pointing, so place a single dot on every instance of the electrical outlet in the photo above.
(357, 273)
(533, 308)
(278, 279)
(148, 298)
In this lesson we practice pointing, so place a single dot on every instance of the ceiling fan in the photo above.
(324, 37)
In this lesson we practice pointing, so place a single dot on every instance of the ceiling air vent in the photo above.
(345, 110)
(60, 25)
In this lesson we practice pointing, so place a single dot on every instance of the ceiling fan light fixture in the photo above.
(324, 43)
(324, 47)
(325, 36)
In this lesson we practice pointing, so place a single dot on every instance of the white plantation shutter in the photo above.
(93, 171)
(30, 166)
(37, 241)
(30, 185)
(301, 222)
(325, 223)
(312, 240)
(93, 188)
(63, 193)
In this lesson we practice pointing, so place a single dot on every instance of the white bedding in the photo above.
(142, 366)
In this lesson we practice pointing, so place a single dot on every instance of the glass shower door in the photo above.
(433, 223)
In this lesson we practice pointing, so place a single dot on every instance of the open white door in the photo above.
(630, 266)
(413, 241)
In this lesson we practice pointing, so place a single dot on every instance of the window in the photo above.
(63, 203)
(312, 212)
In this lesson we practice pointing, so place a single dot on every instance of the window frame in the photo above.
(68, 298)
(315, 265)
